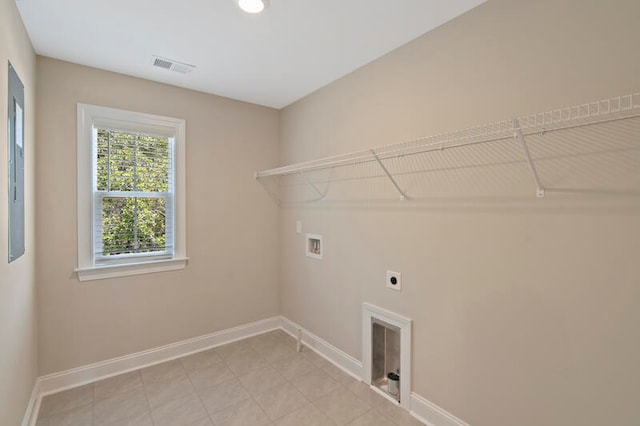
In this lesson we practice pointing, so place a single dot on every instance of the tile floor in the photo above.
(258, 381)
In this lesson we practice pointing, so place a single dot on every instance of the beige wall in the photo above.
(232, 235)
(18, 339)
(525, 311)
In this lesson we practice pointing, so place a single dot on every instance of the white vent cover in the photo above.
(170, 64)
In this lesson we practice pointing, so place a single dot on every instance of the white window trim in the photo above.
(90, 116)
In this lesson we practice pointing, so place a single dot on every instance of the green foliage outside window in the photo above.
(138, 164)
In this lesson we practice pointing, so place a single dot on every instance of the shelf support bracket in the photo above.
(393, 181)
(267, 188)
(518, 135)
(313, 186)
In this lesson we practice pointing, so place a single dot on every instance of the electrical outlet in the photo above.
(394, 280)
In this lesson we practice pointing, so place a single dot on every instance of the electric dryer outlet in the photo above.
(394, 280)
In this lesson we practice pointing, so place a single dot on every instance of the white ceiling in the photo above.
(275, 58)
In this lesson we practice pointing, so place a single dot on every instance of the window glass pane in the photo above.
(152, 164)
(133, 225)
(132, 162)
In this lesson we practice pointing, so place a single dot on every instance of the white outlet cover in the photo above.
(298, 227)
(398, 280)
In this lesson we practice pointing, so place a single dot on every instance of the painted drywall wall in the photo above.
(18, 356)
(231, 278)
(525, 310)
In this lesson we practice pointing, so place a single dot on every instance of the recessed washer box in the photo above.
(314, 246)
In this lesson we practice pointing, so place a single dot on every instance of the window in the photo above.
(133, 195)
(130, 193)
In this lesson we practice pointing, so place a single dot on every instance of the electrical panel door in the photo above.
(16, 165)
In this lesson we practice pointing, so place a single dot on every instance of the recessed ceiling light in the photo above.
(253, 6)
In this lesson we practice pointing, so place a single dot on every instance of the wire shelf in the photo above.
(488, 145)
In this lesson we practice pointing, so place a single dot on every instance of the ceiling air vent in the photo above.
(170, 64)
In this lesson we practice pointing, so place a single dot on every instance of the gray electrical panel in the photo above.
(16, 165)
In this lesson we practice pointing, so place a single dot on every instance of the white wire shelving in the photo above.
(520, 129)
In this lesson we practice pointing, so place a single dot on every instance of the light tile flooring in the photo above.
(258, 381)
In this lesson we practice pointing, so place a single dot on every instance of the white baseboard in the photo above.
(31, 414)
(429, 413)
(100, 370)
(421, 408)
(340, 359)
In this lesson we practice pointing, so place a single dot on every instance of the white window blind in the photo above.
(133, 196)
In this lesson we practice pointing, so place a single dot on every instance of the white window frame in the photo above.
(91, 117)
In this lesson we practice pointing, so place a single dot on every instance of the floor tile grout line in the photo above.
(146, 396)
(196, 390)
(121, 392)
(289, 382)
(93, 404)
(166, 382)
(252, 396)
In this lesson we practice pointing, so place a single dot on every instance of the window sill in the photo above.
(124, 270)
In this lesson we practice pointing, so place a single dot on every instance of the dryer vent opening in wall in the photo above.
(386, 350)
(385, 357)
